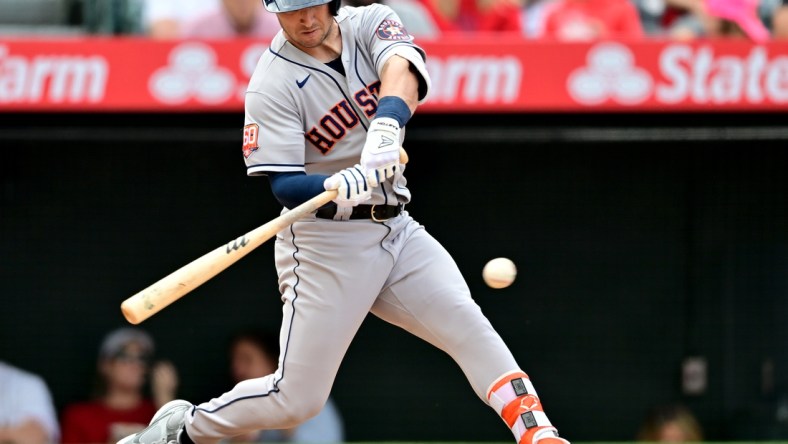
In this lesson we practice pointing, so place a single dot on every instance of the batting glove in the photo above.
(380, 156)
(351, 185)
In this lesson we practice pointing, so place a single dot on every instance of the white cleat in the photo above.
(165, 425)
(547, 435)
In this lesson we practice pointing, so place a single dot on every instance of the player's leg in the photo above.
(324, 304)
(427, 296)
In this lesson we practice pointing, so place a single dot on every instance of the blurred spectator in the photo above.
(651, 13)
(588, 20)
(166, 19)
(254, 354)
(532, 17)
(112, 16)
(735, 18)
(27, 415)
(233, 18)
(121, 406)
(780, 22)
(725, 18)
(670, 423)
(475, 15)
(661, 18)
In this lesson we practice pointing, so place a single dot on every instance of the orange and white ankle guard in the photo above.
(514, 398)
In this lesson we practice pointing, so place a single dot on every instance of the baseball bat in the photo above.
(177, 284)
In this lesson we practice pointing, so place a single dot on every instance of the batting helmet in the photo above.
(295, 5)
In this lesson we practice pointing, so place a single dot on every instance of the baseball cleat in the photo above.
(543, 435)
(553, 440)
(165, 426)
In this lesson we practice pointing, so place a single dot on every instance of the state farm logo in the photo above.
(610, 74)
(192, 73)
(56, 79)
(475, 79)
(685, 74)
(700, 75)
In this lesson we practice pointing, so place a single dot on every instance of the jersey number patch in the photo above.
(251, 144)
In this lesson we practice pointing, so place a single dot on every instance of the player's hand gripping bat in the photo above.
(177, 284)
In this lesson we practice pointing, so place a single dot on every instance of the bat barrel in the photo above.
(132, 314)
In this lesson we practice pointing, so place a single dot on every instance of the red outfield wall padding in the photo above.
(468, 75)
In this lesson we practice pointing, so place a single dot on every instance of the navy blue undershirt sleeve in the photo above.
(292, 189)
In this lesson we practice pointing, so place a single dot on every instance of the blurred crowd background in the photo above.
(563, 20)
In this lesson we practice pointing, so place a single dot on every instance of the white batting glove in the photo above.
(380, 156)
(351, 185)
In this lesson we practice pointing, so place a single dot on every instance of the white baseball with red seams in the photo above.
(499, 272)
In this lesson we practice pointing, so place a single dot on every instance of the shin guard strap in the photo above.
(514, 398)
(509, 388)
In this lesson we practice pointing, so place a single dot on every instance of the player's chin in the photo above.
(313, 39)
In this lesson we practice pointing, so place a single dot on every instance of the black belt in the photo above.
(378, 213)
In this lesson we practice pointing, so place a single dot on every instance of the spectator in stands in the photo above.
(669, 18)
(652, 13)
(121, 406)
(670, 423)
(233, 18)
(780, 22)
(27, 415)
(532, 17)
(474, 16)
(254, 354)
(588, 20)
(726, 19)
(116, 17)
(166, 19)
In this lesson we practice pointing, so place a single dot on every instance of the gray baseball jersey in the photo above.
(309, 117)
(301, 115)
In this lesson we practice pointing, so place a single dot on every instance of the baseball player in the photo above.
(325, 109)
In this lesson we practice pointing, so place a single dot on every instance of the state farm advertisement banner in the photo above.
(478, 75)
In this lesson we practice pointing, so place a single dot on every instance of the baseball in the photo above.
(499, 273)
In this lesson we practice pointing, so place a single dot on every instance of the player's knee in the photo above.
(303, 408)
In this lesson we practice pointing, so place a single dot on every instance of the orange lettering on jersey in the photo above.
(321, 142)
(366, 103)
(251, 143)
(374, 88)
(367, 99)
(333, 126)
(343, 112)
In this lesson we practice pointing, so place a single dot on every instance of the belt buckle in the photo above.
(372, 214)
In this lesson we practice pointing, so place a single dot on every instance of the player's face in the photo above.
(307, 28)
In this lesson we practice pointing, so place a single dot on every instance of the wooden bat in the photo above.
(177, 284)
